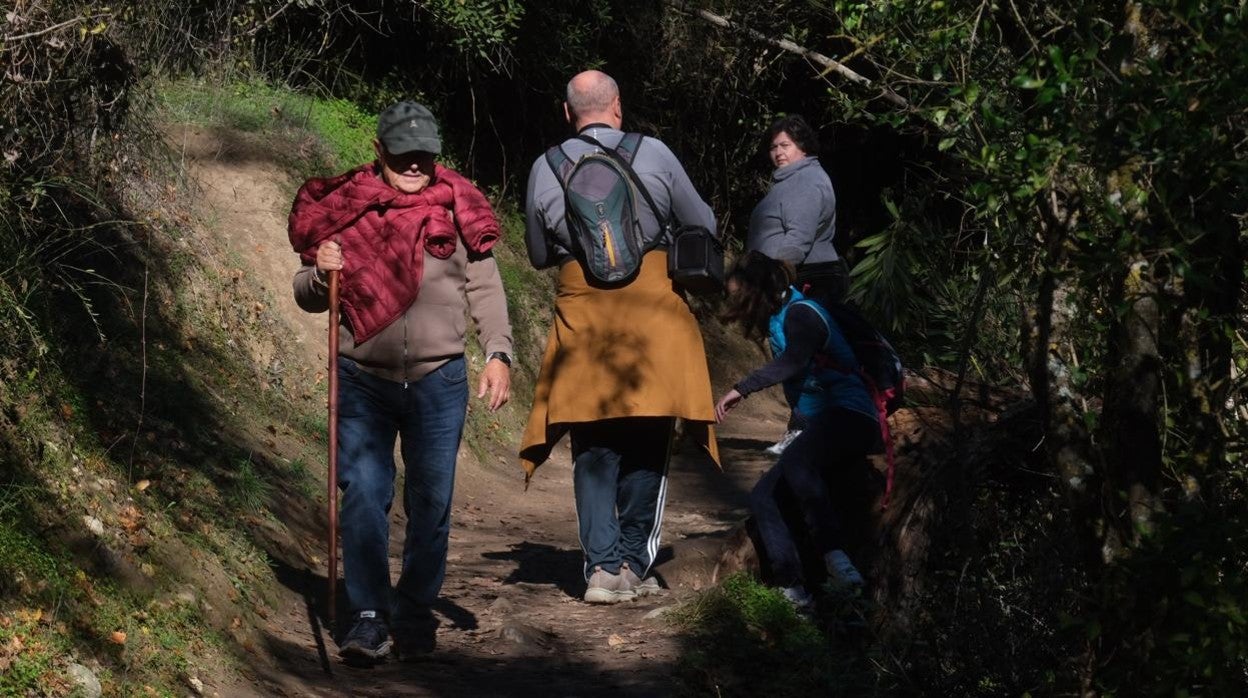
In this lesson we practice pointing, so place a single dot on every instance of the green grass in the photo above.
(301, 478)
(344, 132)
(25, 563)
(744, 638)
(55, 611)
(32, 576)
(30, 655)
(251, 491)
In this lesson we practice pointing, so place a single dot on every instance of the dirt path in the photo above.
(512, 621)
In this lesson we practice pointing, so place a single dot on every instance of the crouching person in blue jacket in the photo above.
(810, 356)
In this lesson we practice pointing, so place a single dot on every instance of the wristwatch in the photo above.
(501, 356)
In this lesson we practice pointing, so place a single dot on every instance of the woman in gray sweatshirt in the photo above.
(796, 221)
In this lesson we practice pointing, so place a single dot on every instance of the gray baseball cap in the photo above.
(408, 126)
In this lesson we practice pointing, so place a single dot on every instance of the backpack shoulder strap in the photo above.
(823, 315)
(628, 147)
(559, 163)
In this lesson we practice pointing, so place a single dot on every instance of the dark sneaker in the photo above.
(368, 640)
(605, 587)
(411, 646)
(641, 587)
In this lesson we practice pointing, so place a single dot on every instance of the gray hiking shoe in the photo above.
(606, 587)
(801, 599)
(842, 570)
(641, 587)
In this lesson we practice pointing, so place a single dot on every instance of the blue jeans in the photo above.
(428, 414)
(619, 478)
(833, 441)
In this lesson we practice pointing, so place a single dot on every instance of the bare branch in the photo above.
(830, 65)
(269, 20)
(55, 27)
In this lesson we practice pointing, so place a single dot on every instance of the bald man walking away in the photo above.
(622, 362)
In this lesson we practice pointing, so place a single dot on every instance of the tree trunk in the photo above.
(1050, 363)
(1130, 427)
(1214, 315)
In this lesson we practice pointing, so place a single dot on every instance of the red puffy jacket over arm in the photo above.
(384, 235)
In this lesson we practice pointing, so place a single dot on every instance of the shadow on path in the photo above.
(538, 563)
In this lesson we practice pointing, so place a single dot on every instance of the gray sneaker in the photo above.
(641, 587)
(605, 587)
(842, 570)
(778, 447)
(801, 599)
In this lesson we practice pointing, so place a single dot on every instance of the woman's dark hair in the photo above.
(759, 285)
(802, 134)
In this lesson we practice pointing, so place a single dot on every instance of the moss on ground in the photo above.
(744, 638)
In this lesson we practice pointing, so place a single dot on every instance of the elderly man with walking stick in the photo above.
(409, 242)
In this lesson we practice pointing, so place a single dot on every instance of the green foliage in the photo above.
(482, 27)
(1098, 155)
(746, 639)
(24, 562)
(1187, 632)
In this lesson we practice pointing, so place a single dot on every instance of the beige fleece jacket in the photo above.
(432, 330)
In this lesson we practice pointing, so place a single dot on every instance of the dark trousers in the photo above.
(831, 442)
(428, 415)
(824, 281)
(620, 481)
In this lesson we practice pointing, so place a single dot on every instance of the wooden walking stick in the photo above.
(333, 446)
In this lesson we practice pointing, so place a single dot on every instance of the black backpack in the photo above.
(879, 366)
(879, 363)
(600, 206)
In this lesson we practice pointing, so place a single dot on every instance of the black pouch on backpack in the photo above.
(695, 260)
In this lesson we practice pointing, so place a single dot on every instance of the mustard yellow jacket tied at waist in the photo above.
(632, 351)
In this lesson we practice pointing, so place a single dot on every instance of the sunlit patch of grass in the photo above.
(149, 641)
(344, 130)
(744, 638)
(251, 491)
(28, 655)
(140, 640)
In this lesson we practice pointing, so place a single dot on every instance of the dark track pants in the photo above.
(620, 481)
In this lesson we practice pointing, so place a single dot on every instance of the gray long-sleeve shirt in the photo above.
(796, 221)
(657, 168)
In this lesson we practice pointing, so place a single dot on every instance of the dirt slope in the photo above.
(512, 620)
